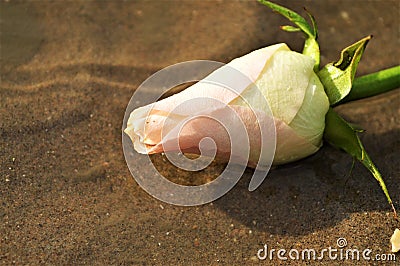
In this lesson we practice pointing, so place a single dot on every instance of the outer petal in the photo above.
(310, 119)
(135, 127)
(283, 82)
(290, 146)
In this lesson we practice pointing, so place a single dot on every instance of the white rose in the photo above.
(285, 78)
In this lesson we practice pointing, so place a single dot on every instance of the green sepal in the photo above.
(343, 135)
(311, 46)
(338, 77)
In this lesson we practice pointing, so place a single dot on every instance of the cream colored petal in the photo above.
(146, 127)
(310, 119)
(135, 127)
(290, 146)
(252, 64)
(395, 240)
(283, 82)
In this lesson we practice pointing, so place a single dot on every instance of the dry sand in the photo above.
(68, 70)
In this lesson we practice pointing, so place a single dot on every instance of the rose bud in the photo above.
(278, 80)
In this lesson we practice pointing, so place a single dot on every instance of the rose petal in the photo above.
(283, 82)
(395, 240)
(309, 122)
(290, 146)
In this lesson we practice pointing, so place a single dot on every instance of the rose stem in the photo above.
(374, 84)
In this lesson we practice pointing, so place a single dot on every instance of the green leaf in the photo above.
(311, 46)
(338, 77)
(343, 135)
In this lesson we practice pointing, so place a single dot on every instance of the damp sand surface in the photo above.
(68, 70)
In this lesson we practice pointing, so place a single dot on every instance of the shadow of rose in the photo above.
(314, 193)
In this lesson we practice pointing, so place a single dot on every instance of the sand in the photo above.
(68, 70)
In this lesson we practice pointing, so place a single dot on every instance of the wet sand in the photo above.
(68, 70)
